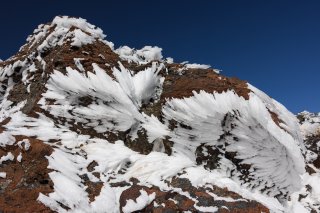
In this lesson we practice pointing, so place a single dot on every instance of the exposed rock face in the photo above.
(123, 130)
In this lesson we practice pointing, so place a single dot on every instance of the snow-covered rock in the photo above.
(309, 123)
(128, 130)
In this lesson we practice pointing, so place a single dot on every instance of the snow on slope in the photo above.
(259, 156)
(251, 133)
(116, 109)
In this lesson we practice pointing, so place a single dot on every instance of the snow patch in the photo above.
(8, 157)
(142, 56)
(6, 139)
(197, 66)
(3, 175)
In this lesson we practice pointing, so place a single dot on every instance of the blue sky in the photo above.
(272, 44)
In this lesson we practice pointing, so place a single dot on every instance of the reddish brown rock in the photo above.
(26, 179)
(173, 201)
(182, 85)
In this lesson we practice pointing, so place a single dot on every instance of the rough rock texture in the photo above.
(178, 85)
(25, 179)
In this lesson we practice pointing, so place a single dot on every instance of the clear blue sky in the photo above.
(273, 44)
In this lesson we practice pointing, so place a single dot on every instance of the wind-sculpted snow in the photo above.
(233, 125)
(115, 102)
(127, 128)
(225, 121)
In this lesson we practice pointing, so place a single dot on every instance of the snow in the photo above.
(8, 157)
(156, 166)
(308, 196)
(279, 163)
(116, 106)
(106, 194)
(224, 121)
(26, 143)
(80, 38)
(155, 129)
(78, 30)
(141, 56)
(197, 66)
(150, 53)
(19, 158)
(142, 86)
(169, 60)
(115, 101)
(3, 175)
(289, 123)
(311, 123)
(198, 176)
(206, 208)
(77, 62)
(67, 192)
(143, 200)
(82, 24)
(69, 189)
(6, 139)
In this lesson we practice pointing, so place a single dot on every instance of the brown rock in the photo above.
(26, 179)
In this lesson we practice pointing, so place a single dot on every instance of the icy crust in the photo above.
(231, 124)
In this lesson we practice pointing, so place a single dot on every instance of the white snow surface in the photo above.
(6, 139)
(274, 154)
(8, 157)
(197, 66)
(141, 56)
(3, 175)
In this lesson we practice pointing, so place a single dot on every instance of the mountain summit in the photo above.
(86, 127)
